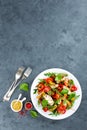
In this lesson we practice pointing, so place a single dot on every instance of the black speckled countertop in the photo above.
(42, 34)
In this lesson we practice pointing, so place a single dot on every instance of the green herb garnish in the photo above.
(41, 80)
(24, 86)
(33, 113)
(71, 82)
(35, 90)
(49, 74)
(72, 95)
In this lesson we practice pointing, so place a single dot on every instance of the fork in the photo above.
(25, 75)
(18, 75)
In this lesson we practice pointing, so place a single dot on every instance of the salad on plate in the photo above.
(56, 93)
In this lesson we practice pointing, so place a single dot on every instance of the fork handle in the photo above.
(6, 94)
(13, 89)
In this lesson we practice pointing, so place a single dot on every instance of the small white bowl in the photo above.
(18, 101)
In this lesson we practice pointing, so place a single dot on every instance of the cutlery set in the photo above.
(21, 74)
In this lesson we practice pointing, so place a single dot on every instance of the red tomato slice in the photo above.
(41, 87)
(56, 96)
(48, 80)
(47, 89)
(73, 88)
(61, 109)
(60, 87)
(45, 109)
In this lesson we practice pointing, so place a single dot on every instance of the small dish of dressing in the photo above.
(17, 104)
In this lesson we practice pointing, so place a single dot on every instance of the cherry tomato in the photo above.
(47, 89)
(56, 96)
(61, 109)
(48, 80)
(45, 109)
(73, 88)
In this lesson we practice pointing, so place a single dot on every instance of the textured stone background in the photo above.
(42, 34)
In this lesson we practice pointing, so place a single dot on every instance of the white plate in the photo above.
(39, 107)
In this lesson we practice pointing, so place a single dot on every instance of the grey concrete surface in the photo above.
(42, 34)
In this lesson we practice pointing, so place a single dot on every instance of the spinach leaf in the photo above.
(64, 91)
(44, 103)
(58, 78)
(33, 113)
(24, 86)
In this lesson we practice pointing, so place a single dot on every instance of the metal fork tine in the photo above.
(27, 71)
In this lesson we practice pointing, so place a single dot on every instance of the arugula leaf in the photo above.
(64, 91)
(71, 82)
(54, 113)
(33, 113)
(50, 107)
(44, 103)
(35, 91)
(41, 80)
(49, 74)
(76, 97)
(65, 103)
(58, 101)
(72, 95)
(24, 87)
(50, 92)
(58, 78)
